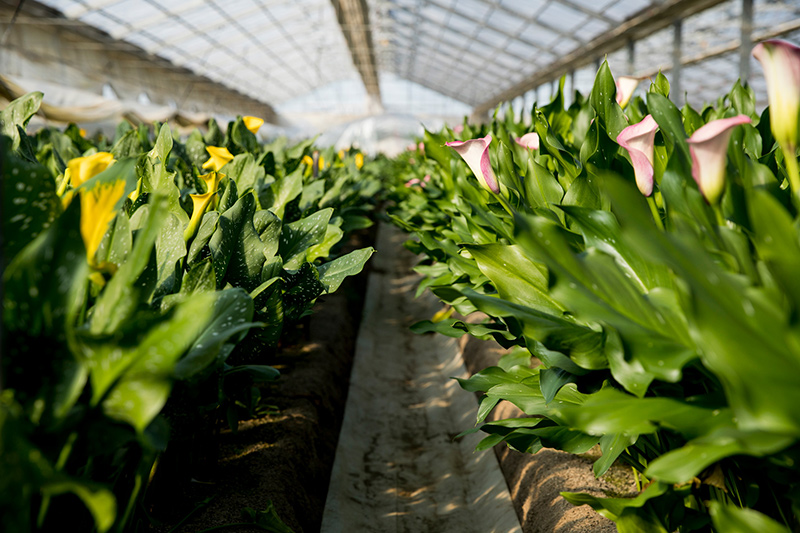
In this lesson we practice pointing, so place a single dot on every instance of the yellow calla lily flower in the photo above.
(212, 180)
(253, 123)
(321, 162)
(341, 155)
(82, 169)
(307, 160)
(200, 203)
(220, 156)
(359, 160)
(82, 132)
(98, 209)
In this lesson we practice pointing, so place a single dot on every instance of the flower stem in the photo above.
(792, 170)
(656, 215)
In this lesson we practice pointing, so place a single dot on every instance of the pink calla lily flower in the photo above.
(475, 153)
(781, 63)
(709, 148)
(626, 85)
(639, 140)
(529, 141)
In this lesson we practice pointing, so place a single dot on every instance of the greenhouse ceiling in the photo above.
(477, 52)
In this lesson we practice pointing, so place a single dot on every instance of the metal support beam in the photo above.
(631, 57)
(746, 40)
(353, 16)
(644, 23)
(676, 90)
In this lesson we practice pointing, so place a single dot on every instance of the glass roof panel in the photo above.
(279, 50)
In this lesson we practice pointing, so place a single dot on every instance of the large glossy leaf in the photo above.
(604, 102)
(30, 203)
(682, 464)
(123, 295)
(730, 518)
(283, 191)
(517, 277)
(236, 248)
(244, 171)
(297, 237)
(230, 319)
(302, 287)
(332, 273)
(17, 114)
(134, 383)
(584, 345)
(610, 411)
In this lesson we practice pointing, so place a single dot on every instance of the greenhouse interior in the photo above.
(490, 266)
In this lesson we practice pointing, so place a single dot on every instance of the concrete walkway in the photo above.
(397, 468)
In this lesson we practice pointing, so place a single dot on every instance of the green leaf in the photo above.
(610, 411)
(122, 295)
(98, 500)
(18, 113)
(297, 237)
(283, 191)
(229, 321)
(682, 464)
(551, 380)
(730, 518)
(611, 445)
(456, 328)
(333, 234)
(301, 289)
(236, 247)
(541, 187)
(603, 100)
(668, 118)
(517, 277)
(244, 171)
(30, 203)
(134, 382)
(332, 274)
(163, 145)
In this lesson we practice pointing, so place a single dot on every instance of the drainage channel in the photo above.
(398, 468)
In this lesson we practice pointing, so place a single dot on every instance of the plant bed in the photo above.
(285, 455)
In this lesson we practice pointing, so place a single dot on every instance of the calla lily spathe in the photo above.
(212, 180)
(98, 208)
(220, 156)
(529, 141)
(781, 63)
(82, 169)
(709, 148)
(626, 85)
(639, 140)
(253, 123)
(475, 153)
(200, 203)
(359, 160)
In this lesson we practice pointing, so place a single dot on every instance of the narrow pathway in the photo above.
(397, 468)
